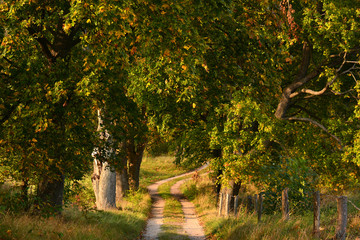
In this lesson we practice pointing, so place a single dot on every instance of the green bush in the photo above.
(295, 175)
(12, 200)
(79, 194)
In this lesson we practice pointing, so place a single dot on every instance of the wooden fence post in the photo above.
(249, 204)
(243, 202)
(342, 218)
(220, 203)
(285, 204)
(227, 204)
(260, 207)
(255, 202)
(316, 229)
(236, 203)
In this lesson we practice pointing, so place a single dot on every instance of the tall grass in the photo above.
(79, 220)
(75, 224)
(246, 226)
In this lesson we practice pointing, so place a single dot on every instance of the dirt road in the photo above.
(191, 226)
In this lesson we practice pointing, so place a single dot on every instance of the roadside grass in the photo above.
(74, 224)
(154, 169)
(246, 226)
(79, 220)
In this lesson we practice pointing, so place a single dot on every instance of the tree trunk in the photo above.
(134, 172)
(104, 184)
(122, 184)
(122, 176)
(316, 205)
(260, 207)
(233, 190)
(217, 153)
(24, 194)
(135, 155)
(341, 219)
(104, 176)
(236, 204)
(227, 204)
(217, 182)
(221, 203)
(285, 204)
(51, 191)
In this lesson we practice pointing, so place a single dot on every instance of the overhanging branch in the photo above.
(318, 125)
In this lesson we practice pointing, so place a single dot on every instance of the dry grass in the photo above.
(74, 224)
(127, 223)
(245, 226)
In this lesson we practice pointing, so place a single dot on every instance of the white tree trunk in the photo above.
(104, 184)
(104, 176)
(107, 188)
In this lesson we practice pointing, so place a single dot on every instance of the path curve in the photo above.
(153, 226)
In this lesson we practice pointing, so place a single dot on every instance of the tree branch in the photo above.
(312, 92)
(44, 44)
(318, 125)
(306, 111)
(7, 115)
(302, 78)
(10, 62)
(328, 84)
(342, 93)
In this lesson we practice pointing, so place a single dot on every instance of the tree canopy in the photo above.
(261, 88)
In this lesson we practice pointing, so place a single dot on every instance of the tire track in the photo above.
(154, 223)
(192, 227)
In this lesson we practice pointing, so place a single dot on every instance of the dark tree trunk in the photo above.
(316, 205)
(134, 174)
(24, 194)
(217, 153)
(135, 155)
(285, 204)
(51, 188)
(217, 183)
(236, 188)
(122, 176)
(233, 190)
(122, 183)
(51, 191)
(342, 218)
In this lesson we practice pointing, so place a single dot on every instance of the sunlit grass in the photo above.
(79, 221)
(74, 224)
(154, 169)
(246, 226)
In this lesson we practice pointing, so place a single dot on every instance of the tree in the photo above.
(219, 79)
(323, 46)
(252, 51)
(299, 49)
(46, 118)
(137, 34)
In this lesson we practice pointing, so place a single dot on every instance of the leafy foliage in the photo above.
(252, 85)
